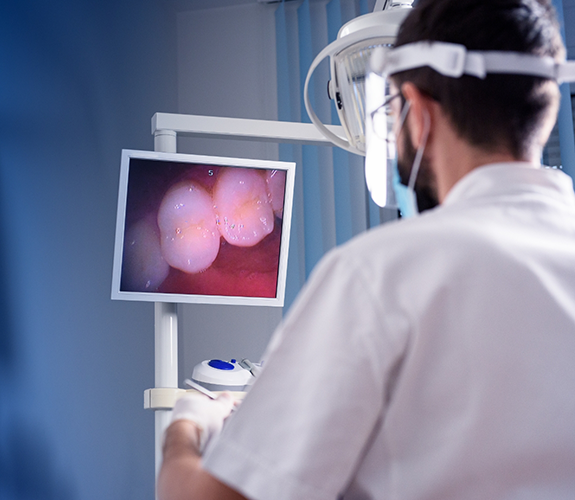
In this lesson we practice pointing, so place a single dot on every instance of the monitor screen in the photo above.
(202, 229)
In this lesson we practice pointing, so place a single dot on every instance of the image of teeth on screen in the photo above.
(202, 229)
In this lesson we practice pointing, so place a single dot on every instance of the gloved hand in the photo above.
(208, 415)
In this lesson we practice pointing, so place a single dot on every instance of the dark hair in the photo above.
(501, 111)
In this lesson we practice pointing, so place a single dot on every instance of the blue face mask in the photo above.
(404, 196)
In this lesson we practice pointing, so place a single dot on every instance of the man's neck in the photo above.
(452, 157)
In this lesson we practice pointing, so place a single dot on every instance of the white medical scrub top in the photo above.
(431, 358)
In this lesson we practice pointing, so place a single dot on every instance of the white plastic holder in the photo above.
(161, 398)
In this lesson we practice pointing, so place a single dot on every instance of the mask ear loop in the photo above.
(420, 150)
(403, 116)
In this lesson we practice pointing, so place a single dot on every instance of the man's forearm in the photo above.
(182, 476)
(181, 461)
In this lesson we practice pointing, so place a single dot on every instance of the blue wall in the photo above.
(79, 80)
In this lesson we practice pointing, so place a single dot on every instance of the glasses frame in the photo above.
(378, 110)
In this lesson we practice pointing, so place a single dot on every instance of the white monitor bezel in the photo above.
(127, 155)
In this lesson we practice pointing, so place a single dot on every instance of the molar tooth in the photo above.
(242, 204)
(144, 268)
(186, 212)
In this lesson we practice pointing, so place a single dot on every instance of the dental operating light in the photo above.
(349, 59)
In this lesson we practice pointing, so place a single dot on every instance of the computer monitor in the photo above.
(202, 229)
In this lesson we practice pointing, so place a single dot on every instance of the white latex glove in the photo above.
(208, 415)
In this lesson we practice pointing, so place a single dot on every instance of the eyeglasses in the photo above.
(381, 119)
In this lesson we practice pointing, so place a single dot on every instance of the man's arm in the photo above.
(182, 476)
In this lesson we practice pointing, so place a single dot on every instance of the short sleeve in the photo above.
(308, 420)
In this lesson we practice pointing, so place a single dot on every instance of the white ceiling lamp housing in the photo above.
(349, 62)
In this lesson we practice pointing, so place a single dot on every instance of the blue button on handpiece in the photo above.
(220, 364)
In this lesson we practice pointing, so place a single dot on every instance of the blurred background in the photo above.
(79, 81)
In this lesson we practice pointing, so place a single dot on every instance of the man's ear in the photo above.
(421, 109)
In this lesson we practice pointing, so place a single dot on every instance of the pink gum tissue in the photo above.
(244, 213)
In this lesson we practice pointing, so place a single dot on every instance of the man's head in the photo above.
(510, 113)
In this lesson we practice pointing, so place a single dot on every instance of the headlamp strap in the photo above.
(454, 60)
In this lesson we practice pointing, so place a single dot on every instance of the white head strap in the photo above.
(455, 60)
